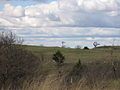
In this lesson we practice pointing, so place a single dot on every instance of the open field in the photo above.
(94, 58)
(33, 68)
(72, 55)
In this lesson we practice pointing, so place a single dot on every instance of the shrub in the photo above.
(16, 63)
(86, 48)
(58, 58)
(76, 73)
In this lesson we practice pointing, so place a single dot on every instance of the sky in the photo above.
(49, 22)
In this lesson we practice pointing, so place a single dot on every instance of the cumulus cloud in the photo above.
(34, 15)
(61, 20)
(84, 13)
(10, 10)
(98, 13)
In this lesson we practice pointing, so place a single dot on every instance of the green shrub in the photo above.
(58, 58)
(76, 73)
(86, 48)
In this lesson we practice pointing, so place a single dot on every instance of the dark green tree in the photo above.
(86, 48)
(58, 58)
(76, 73)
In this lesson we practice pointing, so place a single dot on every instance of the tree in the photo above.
(86, 48)
(76, 73)
(63, 46)
(8, 39)
(95, 44)
(16, 63)
(77, 69)
(58, 58)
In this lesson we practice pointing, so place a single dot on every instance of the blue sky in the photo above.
(23, 2)
(49, 22)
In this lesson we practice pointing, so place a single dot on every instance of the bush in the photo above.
(16, 63)
(76, 73)
(58, 58)
(93, 74)
(99, 71)
(86, 48)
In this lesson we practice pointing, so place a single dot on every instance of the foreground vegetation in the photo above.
(99, 68)
(40, 68)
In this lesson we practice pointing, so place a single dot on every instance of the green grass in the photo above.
(99, 54)
(72, 55)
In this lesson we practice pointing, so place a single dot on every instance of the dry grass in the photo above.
(97, 75)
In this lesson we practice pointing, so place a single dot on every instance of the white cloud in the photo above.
(51, 23)
(52, 36)
(19, 11)
(12, 11)
(4, 22)
(98, 4)
(92, 13)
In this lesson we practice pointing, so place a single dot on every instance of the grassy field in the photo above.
(72, 55)
(93, 58)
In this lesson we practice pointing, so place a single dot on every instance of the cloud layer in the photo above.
(82, 13)
(73, 36)
(77, 22)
